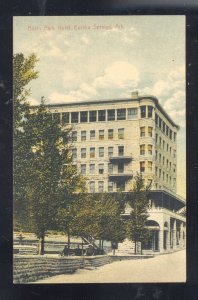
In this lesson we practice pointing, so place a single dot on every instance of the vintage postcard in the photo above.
(99, 149)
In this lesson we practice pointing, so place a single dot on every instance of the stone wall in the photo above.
(32, 268)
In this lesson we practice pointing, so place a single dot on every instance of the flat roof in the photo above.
(103, 101)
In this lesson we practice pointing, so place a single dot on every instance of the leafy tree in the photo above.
(99, 216)
(138, 201)
(23, 73)
(52, 178)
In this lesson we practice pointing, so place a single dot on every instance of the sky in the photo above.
(107, 57)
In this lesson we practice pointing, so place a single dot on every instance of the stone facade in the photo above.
(112, 140)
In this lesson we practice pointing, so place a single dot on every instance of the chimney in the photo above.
(134, 95)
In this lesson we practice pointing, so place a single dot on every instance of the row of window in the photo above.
(162, 160)
(143, 166)
(143, 131)
(149, 149)
(165, 177)
(120, 186)
(101, 134)
(165, 146)
(92, 152)
(103, 115)
(111, 168)
(164, 127)
(96, 115)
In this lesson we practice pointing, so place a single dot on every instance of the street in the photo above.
(161, 268)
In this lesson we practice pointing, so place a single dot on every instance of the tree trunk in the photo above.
(141, 247)
(82, 246)
(41, 244)
(113, 251)
(102, 244)
(68, 240)
(135, 247)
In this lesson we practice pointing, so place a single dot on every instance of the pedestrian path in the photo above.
(162, 268)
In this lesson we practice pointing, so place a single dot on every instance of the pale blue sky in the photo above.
(108, 57)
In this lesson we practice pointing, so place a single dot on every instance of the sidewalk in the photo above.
(163, 268)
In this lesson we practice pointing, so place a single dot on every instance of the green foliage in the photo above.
(99, 215)
(139, 201)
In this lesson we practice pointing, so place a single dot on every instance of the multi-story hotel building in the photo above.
(112, 140)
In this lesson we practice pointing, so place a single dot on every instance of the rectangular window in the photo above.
(110, 186)
(101, 151)
(174, 153)
(74, 136)
(83, 116)
(74, 153)
(101, 168)
(110, 168)
(160, 122)
(101, 115)
(170, 150)
(142, 166)
(120, 150)
(110, 151)
(121, 114)
(143, 111)
(111, 114)
(132, 113)
(56, 117)
(100, 186)
(83, 152)
(174, 168)
(156, 171)
(174, 182)
(92, 152)
(163, 126)
(150, 149)
(156, 119)
(83, 135)
(110, 134)
(167, 147)
(83, 169)
(93, 116)
(163, 160)
(163, 175)
(150, 166)
(74, 117)
(160, 158)
(142, 149)
(156, 138)
(120, 168)
(120, 186)
(167, 163)
(92, 134)
(101, 134)
(167, 130)
(163, 144)
(150, 111)
(142, 131)
(150, 131)
(170, 134)
(160, 173)
(65, 118)
(92, 186)
(121, 133)
(174, 136)
(92, 168)
(160, 141)
(166, 177)
(156, 154)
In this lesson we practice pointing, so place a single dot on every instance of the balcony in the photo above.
(120, 176)
(123, 158)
